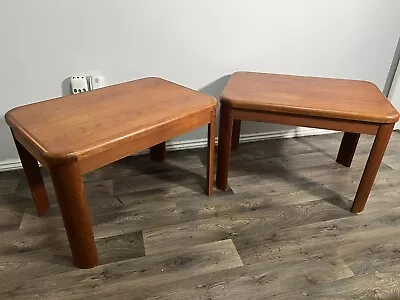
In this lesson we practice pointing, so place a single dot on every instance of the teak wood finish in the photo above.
(354, 107)
(77, 134)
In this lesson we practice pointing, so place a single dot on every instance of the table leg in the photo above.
(371, 169)
(34, 178)
(224, 145)
(70, 192)
(211, 153)
(347, 148)
(235, 134)
(157, 152)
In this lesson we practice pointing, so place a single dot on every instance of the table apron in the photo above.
(144, 140)
(29, 147)
(306, 121)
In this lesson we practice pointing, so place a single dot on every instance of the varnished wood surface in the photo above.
(157, 152)
(34, 178)
(347, 148)
(305, 121)
(68, 186)
(351, 106)
(372, 166)
(104, 118)
(235, 134)
(212, 128)
(283, 230)
(225, 138)
(325, 97)
(77, 134)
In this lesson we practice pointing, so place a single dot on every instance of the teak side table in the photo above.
(351, 106)
(77, 134)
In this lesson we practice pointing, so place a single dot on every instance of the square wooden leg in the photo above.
(34, 178)
(70, 192)
(347, 148)
(224, 145)
(371, 168)
(235, 134)
(157, 152)
(211, 153)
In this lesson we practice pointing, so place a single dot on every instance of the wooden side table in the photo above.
(351, 106)
(76, 134)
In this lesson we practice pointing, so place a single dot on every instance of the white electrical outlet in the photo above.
(96, 82)
(79, 84)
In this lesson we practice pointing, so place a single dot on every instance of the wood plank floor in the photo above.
(283, 230)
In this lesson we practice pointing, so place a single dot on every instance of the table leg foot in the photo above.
(371, 169)
(347, 148)
(235, 134)
(224, 145)
(34, 178)
(70, 192)
(211, 153)
(157, 152)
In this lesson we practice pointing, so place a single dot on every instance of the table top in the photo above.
(75, 124)
(314, 96)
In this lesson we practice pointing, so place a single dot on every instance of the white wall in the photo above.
(194, 43)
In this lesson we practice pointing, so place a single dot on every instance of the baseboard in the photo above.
(14, 164)
(10, 164)
(250, 137)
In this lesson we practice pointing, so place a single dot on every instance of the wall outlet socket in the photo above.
(96, 82)
(79, 84)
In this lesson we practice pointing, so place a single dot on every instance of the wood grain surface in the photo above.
(74, 135)
(351, 106)
(313, 96)
(104, 117)
(282, 230)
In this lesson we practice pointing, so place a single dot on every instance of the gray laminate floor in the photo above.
(283, 231)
